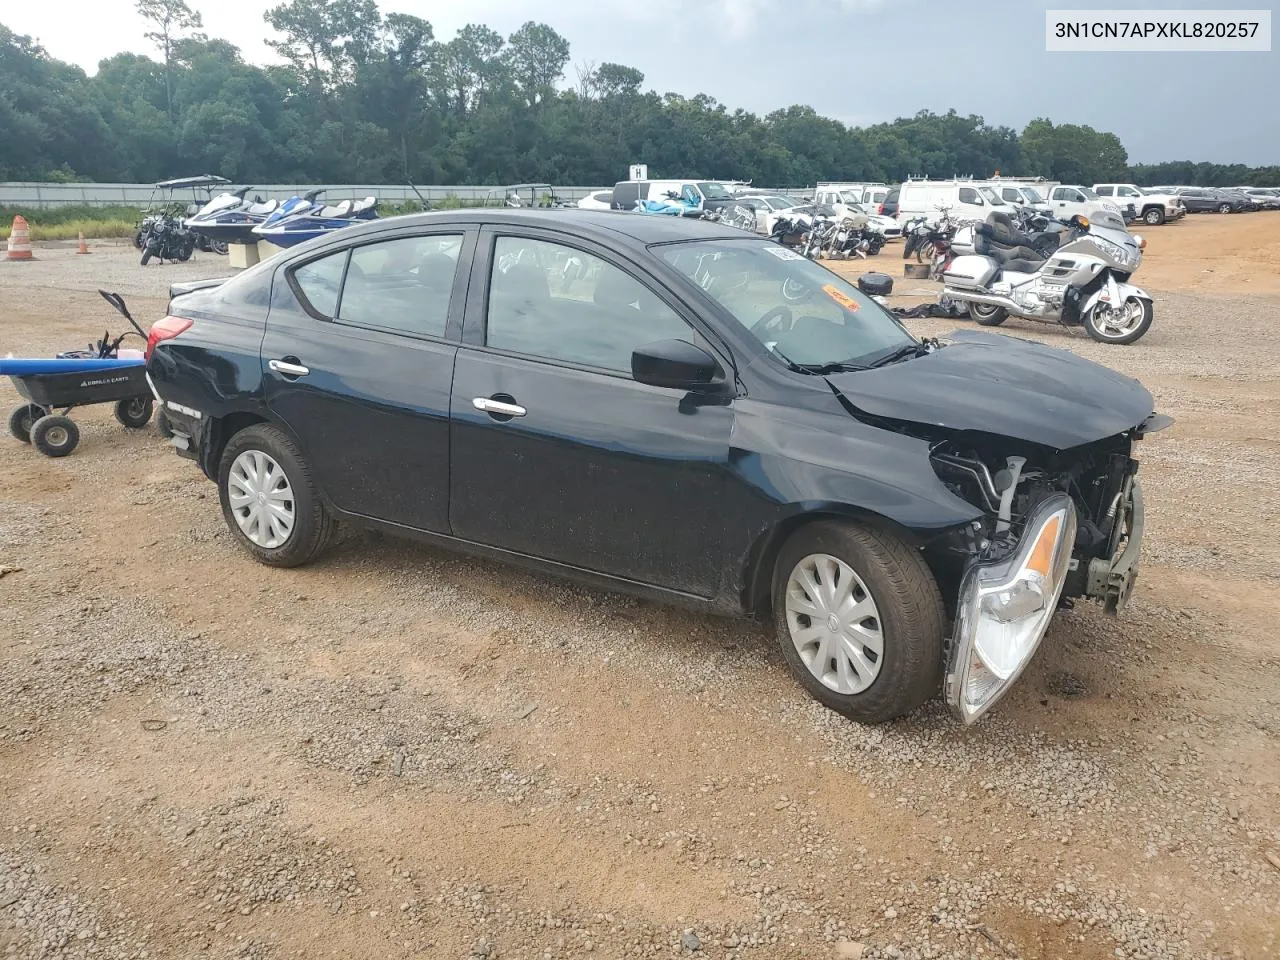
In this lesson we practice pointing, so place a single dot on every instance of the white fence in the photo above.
(48, 195)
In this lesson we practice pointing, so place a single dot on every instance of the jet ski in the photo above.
(289, 230)
(230, 217)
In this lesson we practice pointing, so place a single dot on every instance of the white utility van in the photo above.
(967, 199)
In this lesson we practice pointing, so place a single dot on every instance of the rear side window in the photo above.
(552, 301)
(402, 285)
(320, 282)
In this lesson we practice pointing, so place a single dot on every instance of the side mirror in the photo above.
(673, 363)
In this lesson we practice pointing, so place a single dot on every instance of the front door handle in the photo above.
(498, 408)
(288, 368)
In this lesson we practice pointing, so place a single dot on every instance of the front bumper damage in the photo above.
(1005, 606)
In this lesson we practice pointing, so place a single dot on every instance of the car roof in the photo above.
(604, 224)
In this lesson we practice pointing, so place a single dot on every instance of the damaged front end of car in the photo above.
(1056, 525)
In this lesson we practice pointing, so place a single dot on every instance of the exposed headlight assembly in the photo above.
(1005, 607)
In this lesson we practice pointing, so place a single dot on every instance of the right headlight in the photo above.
(1005, 607)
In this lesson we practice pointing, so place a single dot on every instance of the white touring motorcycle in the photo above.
(996, 273)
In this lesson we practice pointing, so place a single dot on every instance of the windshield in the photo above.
(990, 195)
(800, 311)
(848, 197)
(714, 191)
(1032, 195)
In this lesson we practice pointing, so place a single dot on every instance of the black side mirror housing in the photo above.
(674, 363)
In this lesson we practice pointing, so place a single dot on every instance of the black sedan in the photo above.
(673, 409)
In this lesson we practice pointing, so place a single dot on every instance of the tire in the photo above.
(1224, 208)
(907, 613)
(987, 315)
(146, 256)
(22, 419)
(1154, 217)
(55, 435)
(925, 252)
(134, 412)
(312, 526)
(219, 247)
(137, 240)
(1131, 334)
(163, 426)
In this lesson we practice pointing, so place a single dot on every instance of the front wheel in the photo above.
(1124, 324)
(1154, 216)
(988, 315)
(55, 435)
(146, 256)
(1224, 208)
(269, 500)
(859, 619)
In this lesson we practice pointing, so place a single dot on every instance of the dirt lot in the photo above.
(401, 753)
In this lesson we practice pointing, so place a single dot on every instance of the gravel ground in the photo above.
(398, 752)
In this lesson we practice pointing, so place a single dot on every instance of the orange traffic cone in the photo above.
(84, 247)
(20, 240)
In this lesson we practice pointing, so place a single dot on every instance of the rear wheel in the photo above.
(1125, 324)
(859, 619)
(269, 500)
(988, 315)
(22, 419)
(134, 412)
(55, 435)
(1224, 208)
(1154, 216)
(219, 247)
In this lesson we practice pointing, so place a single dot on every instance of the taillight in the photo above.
(165, 329)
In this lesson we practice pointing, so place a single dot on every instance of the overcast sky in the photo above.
(860, 61)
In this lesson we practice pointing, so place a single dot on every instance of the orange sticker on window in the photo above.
(840, 297)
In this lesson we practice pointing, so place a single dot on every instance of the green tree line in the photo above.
(363, 97)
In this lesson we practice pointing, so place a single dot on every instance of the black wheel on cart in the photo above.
(55, 435)
(134, 412)
(22, 419)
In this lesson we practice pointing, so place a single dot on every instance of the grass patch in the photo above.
(66, 223)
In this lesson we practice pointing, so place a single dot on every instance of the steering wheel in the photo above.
(776, 317)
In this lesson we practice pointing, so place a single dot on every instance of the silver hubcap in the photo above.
(261, 499)
(1121, 321)
(56, 436)
(834, 623)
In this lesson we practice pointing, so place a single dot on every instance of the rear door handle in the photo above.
(499, 407)
(288, 368)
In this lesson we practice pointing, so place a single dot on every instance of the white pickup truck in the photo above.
(1151, 208)
(1067, 200)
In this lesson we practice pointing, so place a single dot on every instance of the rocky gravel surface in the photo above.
(402, 753)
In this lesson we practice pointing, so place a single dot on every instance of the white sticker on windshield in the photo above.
(783, 253)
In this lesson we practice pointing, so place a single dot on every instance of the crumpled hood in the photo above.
(1003, 386)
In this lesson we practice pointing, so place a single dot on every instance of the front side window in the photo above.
(559, 303)
(1032, 195)
(402, 285)
(969, 195)
(799, 310)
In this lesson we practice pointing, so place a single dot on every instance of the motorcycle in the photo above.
(1085, 281)
(930, 241)
(165, 238)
